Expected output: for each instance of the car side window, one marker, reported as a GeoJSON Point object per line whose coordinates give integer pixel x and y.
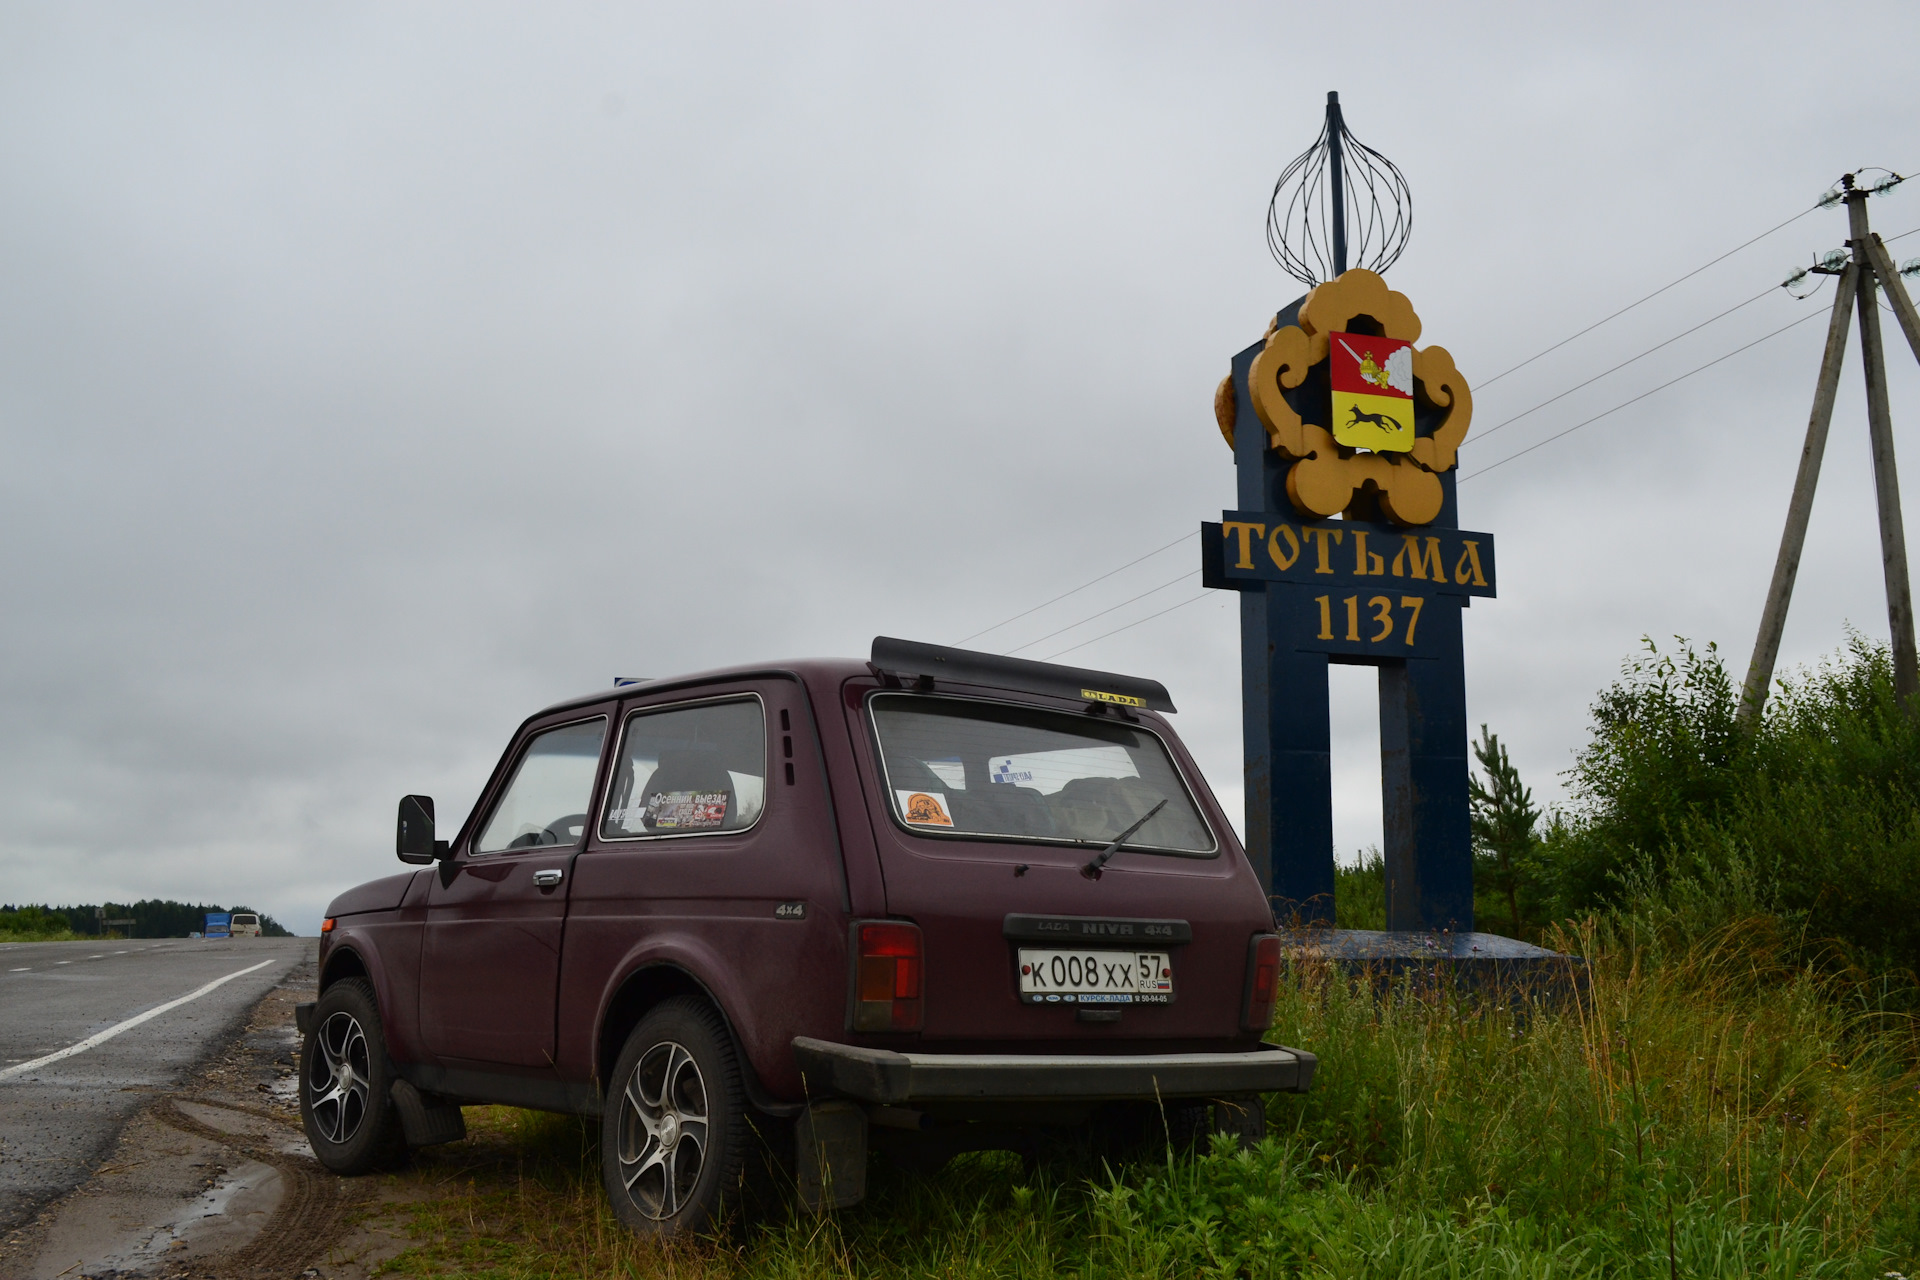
{"type": "Point", "coordinates": [546, 801]}
{"type": "Point", "coordinates": [689, 769]}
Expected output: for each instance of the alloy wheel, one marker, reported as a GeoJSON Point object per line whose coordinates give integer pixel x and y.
{"type": "Point", "coordinates": [663, 1130]}
{"type": "Point", "coordinates": [337, 1078]}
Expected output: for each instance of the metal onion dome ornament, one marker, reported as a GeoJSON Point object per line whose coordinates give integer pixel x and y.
{"type": "Point", "coordinates": [1340, 194]}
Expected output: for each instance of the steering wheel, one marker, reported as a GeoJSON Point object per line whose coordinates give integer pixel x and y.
{"type": "Point", "coordinates": [565, 830]}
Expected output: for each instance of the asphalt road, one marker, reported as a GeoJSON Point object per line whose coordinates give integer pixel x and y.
{"type": "Point", "coordinates": [57, 1119]}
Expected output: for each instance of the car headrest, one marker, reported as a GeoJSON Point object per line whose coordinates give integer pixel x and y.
{"type": "Point", "coordinates": [698, 772]}
{"type": "Point", "coordinates": [909, 774]}
{"type": "Point", "coordinates": [690, 771]}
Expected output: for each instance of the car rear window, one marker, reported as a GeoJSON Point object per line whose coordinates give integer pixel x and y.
{"type": "Point", "coordinates": [1001, 771]}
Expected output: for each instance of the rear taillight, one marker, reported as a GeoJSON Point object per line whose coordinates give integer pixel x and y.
{"type": "Point", "coordinates": [888, 962]}
{"type": "Point", "coordinates": [1263, 979]}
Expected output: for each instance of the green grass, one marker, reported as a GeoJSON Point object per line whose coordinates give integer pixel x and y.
{"type": "Point", "coordinates": [1712, 1110]}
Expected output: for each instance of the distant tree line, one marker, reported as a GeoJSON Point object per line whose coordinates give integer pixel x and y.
{"type": "Point", "coordinates": [152, 918]}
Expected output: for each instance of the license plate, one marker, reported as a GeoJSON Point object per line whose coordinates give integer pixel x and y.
{"type": "Point", "coordinates": [1095, 977]}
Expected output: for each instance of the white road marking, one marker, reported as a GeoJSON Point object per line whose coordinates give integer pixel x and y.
{"type": "Point", "coordinates": [63, 962]}
{"type": "Point", "coordinates": [101, 1037]}
{"type": "Point", "coordinates": [22, 969]}
{"type": "Point", "coordinates": [101, 956]}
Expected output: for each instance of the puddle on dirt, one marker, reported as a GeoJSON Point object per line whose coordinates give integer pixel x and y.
{"type": "Point", "coordinates": [235, 1207]}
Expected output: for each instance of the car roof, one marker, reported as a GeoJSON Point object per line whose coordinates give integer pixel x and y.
{"type": "Point", "coordinates": [921, 666]}
{"type": "Point", "coordinates": [831, 670]}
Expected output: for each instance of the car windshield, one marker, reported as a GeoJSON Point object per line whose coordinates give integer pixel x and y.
{"type": "Point", "coordinates": [998, 771]}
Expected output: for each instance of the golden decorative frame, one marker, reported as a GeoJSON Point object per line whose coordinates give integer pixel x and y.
{"type": "Point", "coordinates": [1327, 478]}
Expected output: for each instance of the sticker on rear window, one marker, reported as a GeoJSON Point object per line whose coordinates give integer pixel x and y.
{"type": "Point", "coordinates": [687, 810]}
{"type": "Point", "coordinates": [924, 808]}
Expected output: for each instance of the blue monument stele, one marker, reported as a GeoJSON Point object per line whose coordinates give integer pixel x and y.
{"type": "Point", "coordinates": [1345, 545]}
{"type": "Point", "coordinates": [1354, 585]}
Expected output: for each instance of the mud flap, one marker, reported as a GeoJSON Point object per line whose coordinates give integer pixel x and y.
{"type": "Point", "coordinates": [427, 1119]}
{"type": "Point", "coordinates": [831, 1145]}
{"type": "Point", "coordinates": [303, 1017]}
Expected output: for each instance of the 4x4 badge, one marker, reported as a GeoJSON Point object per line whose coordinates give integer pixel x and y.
{"type": "Point", "coordinates": [790, 911]}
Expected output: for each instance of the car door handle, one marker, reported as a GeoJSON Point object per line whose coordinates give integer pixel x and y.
{"type": "Point", "coordinates": [548, 878]}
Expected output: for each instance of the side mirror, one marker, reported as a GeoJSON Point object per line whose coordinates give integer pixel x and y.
{"type": "Point", "coordinates": [413, 837]}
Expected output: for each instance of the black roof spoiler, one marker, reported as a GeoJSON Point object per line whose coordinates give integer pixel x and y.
{"type": "Point", "coordinates": [911, 660]}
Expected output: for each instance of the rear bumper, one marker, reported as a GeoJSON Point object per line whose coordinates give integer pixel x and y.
{"type": "Point", "coordinates": [889, 1078]}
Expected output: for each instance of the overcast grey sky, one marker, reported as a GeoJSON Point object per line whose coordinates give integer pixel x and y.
{"type": "Point", "coordinates": [372, 375]}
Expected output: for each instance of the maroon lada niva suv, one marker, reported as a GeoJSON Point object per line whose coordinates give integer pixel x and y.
{"type": "Point", "coordinates": [932, 902]}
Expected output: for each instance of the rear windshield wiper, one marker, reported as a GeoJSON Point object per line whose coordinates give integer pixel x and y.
{"type": "Point", "coordinates": [1092, 870]}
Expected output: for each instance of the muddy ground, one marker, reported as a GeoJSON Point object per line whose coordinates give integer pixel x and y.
{"type": "Point", "coordinates": [214, 1180]}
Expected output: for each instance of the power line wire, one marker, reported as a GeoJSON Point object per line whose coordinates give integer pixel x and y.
{"type": "Point", "coordinates": [1463, 479]}
{"type": "Point", "coordinates": [1204, 595]}
{"type": "Point", "coordinates": [1569, 431]}
{"type": "Point", "coordinates": [1082, 587]}
{"type": "Point", "coordinates": [1090, 617]}
{"type": "Point", "coordinates": [1502, 462]}
{"type": "Point", "coordinates": [1650, 297]}
{"type": "Point", "coordinates": [1482, 435]}
{"type": "Point", "coordinates": [1811, 315]}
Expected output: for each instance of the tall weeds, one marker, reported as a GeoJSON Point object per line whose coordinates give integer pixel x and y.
{"type": "Point", "coordinates": [1714, 1076]}
{"type": "Point", "coordinates": [1714, 1107]}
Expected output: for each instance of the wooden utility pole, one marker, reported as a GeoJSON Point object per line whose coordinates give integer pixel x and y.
{"type": "Point", "coordinates": [1869, 271]}
{"type": "Point", "coordinates": [1896, 292]}
{"type": "Point", "coordinates": [1886, 477]}
{"type": "Point", "coordinates": [1773, 619]}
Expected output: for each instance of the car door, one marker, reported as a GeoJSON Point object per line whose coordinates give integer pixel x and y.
{"type": "Point", "coordinates": [714, 854]}
{"type": "Point", "coordinates": [490, 966]}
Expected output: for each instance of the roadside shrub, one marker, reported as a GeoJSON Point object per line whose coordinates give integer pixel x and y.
{"type": "Point", "coordinates": [1360, 893]}
{"type": "Point", "coordinates": [33, 924]}
{"type": "Point", "coordinates": [1814, 816]}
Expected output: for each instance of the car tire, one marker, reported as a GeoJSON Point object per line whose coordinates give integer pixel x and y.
{"type": "Point", "coordinates": [674, 1133]}
{"type": "Point", "coordinates": [346, 1083]}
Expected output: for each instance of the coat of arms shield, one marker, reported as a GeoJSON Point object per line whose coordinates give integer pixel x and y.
{"type": "Point", "coordinates": [1372, 381]}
